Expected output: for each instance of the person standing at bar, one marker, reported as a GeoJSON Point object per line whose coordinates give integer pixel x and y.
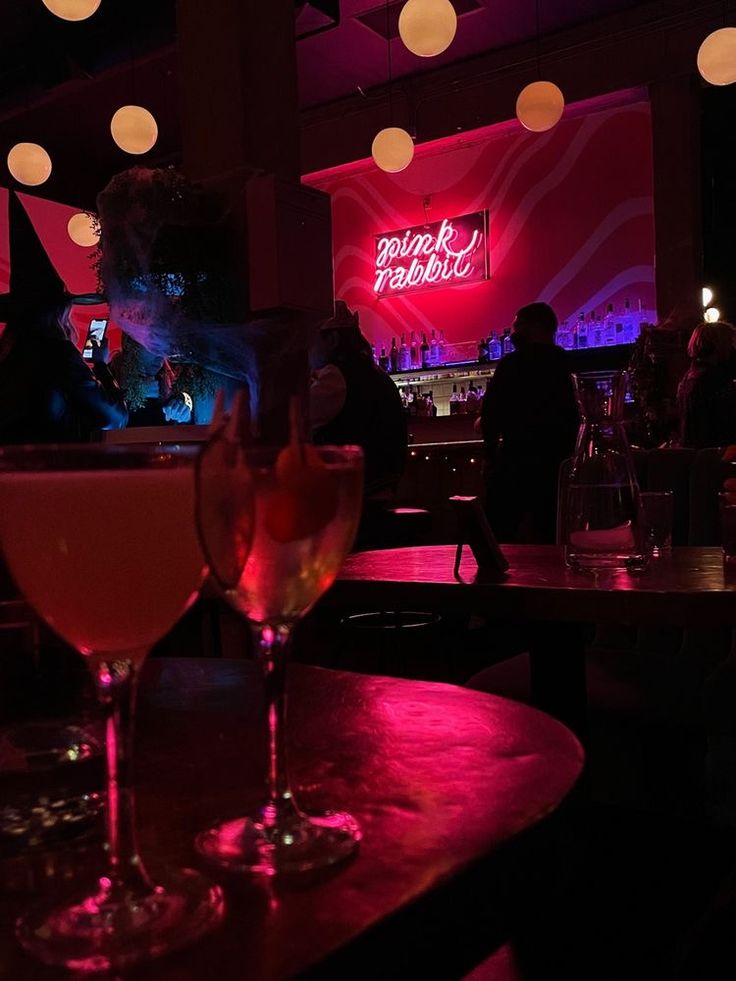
{"type": "Point", "coordinates": [353, 401]}
{"type": "Point", "coordinates": [706, 394]}
{"type": "Point", "coordinates": [529, 422]}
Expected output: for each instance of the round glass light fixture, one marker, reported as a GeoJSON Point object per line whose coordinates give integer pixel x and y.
{"type": "Point", "coordinates": [134, 129]}
{"type": "Point", "coordinates": [72, 9]}
{"type": "Point", "coordinates": [711, 315]}
{"type": "Point", "coordinates": [82, 230]}
{"type": "Point", "coordinates": [540, 106]}
{"type": "Point", "coordinates": [707, 296]}
{"type": "Point", "coordinates": [717, 57]}
{"type": "Point", "coordinates": [29, 164]}
{"type": "Point", "coordinates": [392, 149]}
{"type": "Point", "coordinates": [427, 27]}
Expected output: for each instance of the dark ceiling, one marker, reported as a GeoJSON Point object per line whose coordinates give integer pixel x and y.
{"type": "Point", "coordinates": [61, 81]}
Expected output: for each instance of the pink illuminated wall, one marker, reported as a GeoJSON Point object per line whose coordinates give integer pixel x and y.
{"type": "Point", "coordinates": [570, 221]}
{"type": "Point", "coordinates": [72, 262]}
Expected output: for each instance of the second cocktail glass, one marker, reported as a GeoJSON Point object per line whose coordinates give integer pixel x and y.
{"type": "Point", "coordinates": [299, 516]}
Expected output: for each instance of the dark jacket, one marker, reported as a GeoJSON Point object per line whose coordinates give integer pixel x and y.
{"type": "Point", "coordinates": [530, 405]}
{"type": "Point", "coordinates": [372, 418]}
{"type": "Point", "coordinates": [49, 394]}
{"type": "Point", "coordinates": [706, 399]}
{"type": "Point", "coordinates": [530, 422]}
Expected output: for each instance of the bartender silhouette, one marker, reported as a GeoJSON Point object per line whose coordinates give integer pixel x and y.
{"type": "Point", "coordinates": [48, 394]}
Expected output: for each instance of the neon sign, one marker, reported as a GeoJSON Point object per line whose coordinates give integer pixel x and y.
{"type": "Point", "coordinates": [450, 252]}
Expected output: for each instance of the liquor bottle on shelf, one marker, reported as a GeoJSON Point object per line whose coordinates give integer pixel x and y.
{"type": "Point", "coordinates": [483, 352]}
{"type": "Point", "coordinates": [442, 348]}
{"type": "Point", "coordinates": [623, 326]}
{"type": "Point", "coordinates": [454, 400]}
{"type": "Point", "coordinates": [429, 407]}
{"type": "Point", "coordinates": [434, 349]}
{"type": "Point", "coordinates": [373, 354]}
{"type": "Point", "coordinates": [471, 400]}
{"type": "Point", "coordinates": [627, 322]}
{"type": "Point", "coordinates": [494, 347]}
{"type": "Point", "coordinates": [609, 327]}
{"type": "Point", "coordinates": [462, 402]}
{"type": "Point", "coordinates": [393, 356]}
{"type": "Point", "coordinates": [565, 337]}
{"type": "Point", "coordinates": [404, 355]}
{"type": "Point", "coordinates": [595, 331]}
{"type": "Point", "coordinates": [424, 352]}
{"type": "Point", "coordinates": [582, 332]}
{"type": "Point", "coordinates": [414, 351]}
{"type": "Point", "coordinates": [383, 361]}
{"type": "Point", "coordinates": [506, 345]}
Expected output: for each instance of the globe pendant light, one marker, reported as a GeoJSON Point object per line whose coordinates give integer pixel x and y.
{"type": "Point", "coordinates": [392, 149]}
{"type": "Point", "coordinates": [134, 129]}
{"type": "Point", "coordinates": [29, 164]}
{"type": "Point", "coordinates": [540, 106]}
{"type": "Point", "coordinates": [82, 230]}
{"type": "Point", "coordinates": [72, 9]}
{"type": "Point", "coordinates": [427, 27]}
{"type": "Point", "coordinates": [717, 57]}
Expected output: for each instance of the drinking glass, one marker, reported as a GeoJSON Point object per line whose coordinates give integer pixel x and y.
{"type": "Point", "coordinates": [727, 522]}
{"type": "Point", "coordinates": [657, 510]}
{"type": "Point", "coordinates": [600, 496]}
{"type": "Point", "coordinates": [303, 506]}
{"type": "Point", "coordinates": [101, 541]}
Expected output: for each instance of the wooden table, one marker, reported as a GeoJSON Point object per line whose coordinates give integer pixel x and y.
{"type": "Point", "coordinates": [447, 784]}
{"type": "Point", "coordinates": [685, 587]}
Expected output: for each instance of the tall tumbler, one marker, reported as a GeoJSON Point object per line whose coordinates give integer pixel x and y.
{"type": "Point", "coordinates": [600, 508]}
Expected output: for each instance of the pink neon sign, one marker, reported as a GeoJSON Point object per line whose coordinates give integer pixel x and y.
{"type": "Point", "coordinates": [450, 252]}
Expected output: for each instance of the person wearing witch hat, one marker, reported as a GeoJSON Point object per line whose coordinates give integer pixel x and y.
{"type": "Point", "coordinates": [48, 394]}
{"type": "Point", "coordinates": [353, 401]}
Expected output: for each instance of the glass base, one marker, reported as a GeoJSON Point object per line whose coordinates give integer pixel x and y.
{"type": "Point", "coordinates": [111, 929]}
{"type": "Point", "coordinates": [605, 561]}
{"type": "Point", "coordinates": [299, 843]}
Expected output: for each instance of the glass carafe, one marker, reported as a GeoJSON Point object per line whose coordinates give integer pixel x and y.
{"type": "Point", "coordinates": [601, 526]}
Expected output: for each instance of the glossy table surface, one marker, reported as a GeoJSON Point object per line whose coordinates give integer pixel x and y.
{"type": "Point", "coordinates": [442, 779]}
{"type": "Point", "coordinates": [685, 586]}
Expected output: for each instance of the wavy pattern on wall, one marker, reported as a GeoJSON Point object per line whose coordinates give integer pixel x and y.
{"type": "Point", "coordinates": [570, 214]}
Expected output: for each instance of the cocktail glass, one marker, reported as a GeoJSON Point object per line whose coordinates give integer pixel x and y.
{"type": "Point", "coordinates": [101, 541]}
{"type": "Point", "coordinates": [303, 507]}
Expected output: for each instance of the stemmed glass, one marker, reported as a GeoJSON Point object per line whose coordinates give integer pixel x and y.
{"type": "Point", "coordinates": [101, 541]}
{"type": "Point", "coordinates": [303, 508]}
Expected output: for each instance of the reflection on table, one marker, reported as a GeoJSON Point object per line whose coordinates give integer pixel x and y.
{"type": "Point", "coordinates": [446, 784]}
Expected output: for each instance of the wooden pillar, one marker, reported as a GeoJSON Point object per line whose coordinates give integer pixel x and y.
{"type": "Point", "coordinates": [238, 78]}
{"type": "Point", "coordinates": [675, 106]}
{"type": "Point", "coordinates": [240, 126]}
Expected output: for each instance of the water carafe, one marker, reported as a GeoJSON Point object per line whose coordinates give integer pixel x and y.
{"type": "Point", "coordinates": [601, 526]}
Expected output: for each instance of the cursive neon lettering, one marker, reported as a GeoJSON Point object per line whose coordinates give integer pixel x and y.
{"type": "Point", "coordinates": [451, 251]}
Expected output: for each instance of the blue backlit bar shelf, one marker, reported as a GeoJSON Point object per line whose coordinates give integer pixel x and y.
{"type": "Point", "coordinates": [440, 379]}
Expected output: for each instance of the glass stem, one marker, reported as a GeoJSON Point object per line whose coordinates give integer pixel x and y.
{"type": "Point", "coordinates": [117, 684]}
{"type": "Point", "coordinates": [271, 647]}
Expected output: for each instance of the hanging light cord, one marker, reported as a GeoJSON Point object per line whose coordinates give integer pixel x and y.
{"type": "Point", "coordinates": [390, 78]}
{"type": "Point", "coordinates": [539, 40]}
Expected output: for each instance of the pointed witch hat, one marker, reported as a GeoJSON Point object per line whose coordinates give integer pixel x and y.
{"type": "Point", "coordinates": [35, 285]}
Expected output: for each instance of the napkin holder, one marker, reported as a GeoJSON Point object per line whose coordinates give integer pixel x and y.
{"type": "Point", "coordinates": [475, 532]}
